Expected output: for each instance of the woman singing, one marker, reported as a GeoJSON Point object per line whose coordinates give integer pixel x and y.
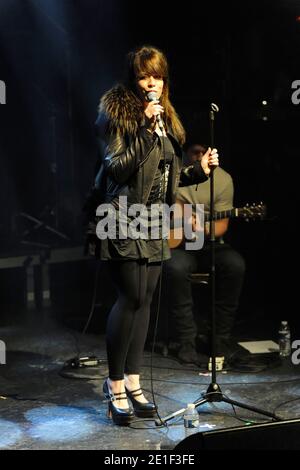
{"type": "Point", "coordinates": [141, 135]}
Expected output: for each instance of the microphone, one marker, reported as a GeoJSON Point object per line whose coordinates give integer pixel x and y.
{"type": "Point", "coordinates": [152, 96]}
{"type": "Point", "coordinates": [214, 107]}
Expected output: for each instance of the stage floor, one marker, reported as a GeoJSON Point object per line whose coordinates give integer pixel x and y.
{"type": "Point", "coordinates": [41, 409]}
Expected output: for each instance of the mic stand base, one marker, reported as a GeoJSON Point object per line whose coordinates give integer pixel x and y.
{"type": "Point", "coordinates": [212, 395]}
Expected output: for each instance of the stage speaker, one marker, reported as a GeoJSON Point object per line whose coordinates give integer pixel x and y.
{"type": "Point", "coordinates": [281, 435]}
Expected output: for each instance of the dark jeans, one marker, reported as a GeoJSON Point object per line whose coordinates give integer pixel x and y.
{"type": "Point", "coordinates": [230, 268]}
{"type": "Point", "coordinates": [128, 321]}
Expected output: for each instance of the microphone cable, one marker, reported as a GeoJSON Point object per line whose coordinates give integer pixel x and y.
{"type": "Point", "coordinates": [158, 310]}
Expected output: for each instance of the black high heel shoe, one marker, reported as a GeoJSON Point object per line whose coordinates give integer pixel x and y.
{"type": "Point", "coordinates": [120, 416]}
{"type": "Point", "coordinates": [142, 410]}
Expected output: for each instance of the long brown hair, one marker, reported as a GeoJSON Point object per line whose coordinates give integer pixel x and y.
{"type": "Point", "coordinates": [151, 61]}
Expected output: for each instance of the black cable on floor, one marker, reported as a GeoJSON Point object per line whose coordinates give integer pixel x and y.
{"type": "Point", "coordinates": [286, 403]}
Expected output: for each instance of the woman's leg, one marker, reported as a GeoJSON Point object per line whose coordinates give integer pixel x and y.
{"type": "Point", "coordinates": [129, 278]}
{"type": "Point", "coordinates": [139, 332]}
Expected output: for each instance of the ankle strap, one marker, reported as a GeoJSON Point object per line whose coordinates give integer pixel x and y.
{"type": "Point", "coordinates": [119, 393]}
{"type": "Point", "coordinates": [114, 396]}
{"type": "Point", "coordinates": [134, 392]}
{"type": "Point", "coordinates": [117, 396]}
{"type": "Point", "coordinates": [124, 397]}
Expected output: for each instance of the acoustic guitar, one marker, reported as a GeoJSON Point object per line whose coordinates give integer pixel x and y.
{"type": "Point", "coordinates": [248, 212]}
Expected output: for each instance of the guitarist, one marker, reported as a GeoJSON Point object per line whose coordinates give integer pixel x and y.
{"type": "Point", "coordinates": [230, 268]}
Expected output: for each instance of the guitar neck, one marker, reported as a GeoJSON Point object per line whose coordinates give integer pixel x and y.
{"type": "Point", "coordinates": [247, 212]}
{"type": "Point", "coordinates": [222, 214]}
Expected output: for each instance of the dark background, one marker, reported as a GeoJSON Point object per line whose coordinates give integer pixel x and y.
{"type": "Point", "coordinates": [57, 57]}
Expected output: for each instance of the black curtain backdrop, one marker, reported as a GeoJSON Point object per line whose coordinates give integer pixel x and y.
{"type": "Point", "coordinates": [57, 57]}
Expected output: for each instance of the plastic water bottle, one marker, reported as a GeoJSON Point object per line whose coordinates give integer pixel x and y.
{"type": "Point", "coordinates": [191, 417]}
{"type": "Point", "coordinates": [284, 339]}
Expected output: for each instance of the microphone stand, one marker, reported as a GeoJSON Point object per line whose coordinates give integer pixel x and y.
{"type": "Point", "coordinates": [214, 392]}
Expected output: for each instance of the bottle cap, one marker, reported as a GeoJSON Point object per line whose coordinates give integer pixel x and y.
{"type": "Point", "coordinates": [191, 405]}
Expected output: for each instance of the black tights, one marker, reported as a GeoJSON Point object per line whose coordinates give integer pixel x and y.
{"type": "Point", "coordinates": [128, 320]}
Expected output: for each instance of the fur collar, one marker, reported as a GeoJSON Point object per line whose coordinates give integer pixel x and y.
{"type": "Point", "coordinates": [121, 110]}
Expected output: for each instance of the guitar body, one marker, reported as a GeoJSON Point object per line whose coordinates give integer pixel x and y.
{"type": "Point", "coordinates": [177, 237]}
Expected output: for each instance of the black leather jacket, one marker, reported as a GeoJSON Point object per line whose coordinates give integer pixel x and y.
{"type": "Point", "coordinates": [130, 156]}
{"type": "Point", "coordinates": [130, 163]}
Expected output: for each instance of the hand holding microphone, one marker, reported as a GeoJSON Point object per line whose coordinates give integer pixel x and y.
{"type": "Point", "coordinates": [153, 110]}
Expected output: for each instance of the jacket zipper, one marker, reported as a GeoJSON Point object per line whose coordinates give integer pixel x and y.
{"type": "Point", "coordinates": [146, 158]}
